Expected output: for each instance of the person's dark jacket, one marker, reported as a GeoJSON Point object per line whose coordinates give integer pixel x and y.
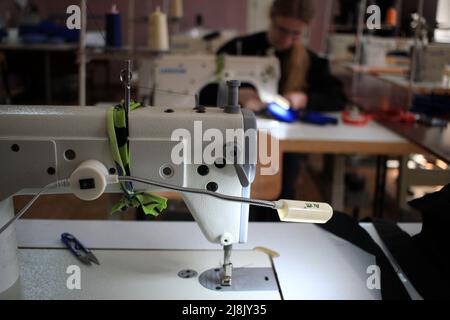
{"type": "Point", "coordinates": [325, 92]}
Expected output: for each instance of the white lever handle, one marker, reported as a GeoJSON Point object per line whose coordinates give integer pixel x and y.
{"type": "Point", "coordinates": [304, 212]}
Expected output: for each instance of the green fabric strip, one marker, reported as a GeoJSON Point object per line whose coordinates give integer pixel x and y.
{"type": "Point", "coordinates": [220, 67]}
{"type": "Point", "coordinates": [149, 203]}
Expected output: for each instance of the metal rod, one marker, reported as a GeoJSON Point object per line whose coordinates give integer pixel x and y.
{"type": "Point", "coordinates": [227, 254]}
{"type": "Point", "coordinates": [82, 57]}
{"type": "Point", "coordinates": [399, 9]}
{"type": "Point", "coordinates": [416, 55]}
{"type": "Point", "coordinates": [227, 274]}
{"type": "Point", "coordinates": [127, 84]}
{"type": "Point", "coordinates": [360, 32]}
{"type": "Point", "coordinates": [259, 203]}
{"type": "Point", "coordinates": [131, 9]}
{"type": "Point", "coordinates": [326, 25]}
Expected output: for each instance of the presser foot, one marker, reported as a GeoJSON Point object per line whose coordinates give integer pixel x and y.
{"type": "Point", "coordinates": [227, 274]}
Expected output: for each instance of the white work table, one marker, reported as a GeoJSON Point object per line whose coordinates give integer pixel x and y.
{"type": "Point", "coordinates": [312, 263]}
{"type": "Point", "coordinates": [342, 138]}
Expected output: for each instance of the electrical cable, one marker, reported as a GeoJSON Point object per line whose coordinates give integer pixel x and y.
{"type": "Point", "coordinates": [57, 184]}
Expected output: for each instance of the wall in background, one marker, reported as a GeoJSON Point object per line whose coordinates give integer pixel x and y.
{"type": "Point", "coordinates": [217, 14]}
{"type": "Point", "coordinates": [241, 15]}
{"type": "Point", "coordinates": [258, 15]}
{"type": "Point", "coordinates": [258, 19]}
{"type": "Point", "coordinates": [320, 25]}
{"type": "Point", "coordinates": [409, 6]}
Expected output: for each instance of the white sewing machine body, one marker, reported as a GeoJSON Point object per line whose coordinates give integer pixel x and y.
{"type": "Point", "coordinates": [34, 142]}
{"type": "Point", "coordinates": [178, 75]}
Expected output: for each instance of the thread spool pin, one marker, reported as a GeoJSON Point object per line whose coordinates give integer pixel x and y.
{"type": "Point", "coordinates": [125, 78]}
{"type": "Point", "coordinates": [233, 97]}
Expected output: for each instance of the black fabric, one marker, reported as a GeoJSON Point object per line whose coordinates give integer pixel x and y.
{"type": "Point", "coordinates": [291, 171]}
{"type": "Point", "coordinates": [425, 258]}
{"type": "Point", "coordinates": [421, 272]}
{"type": "Point", "coordinates": [325, 92]}
{"type": "Point", "coordinates": [347, 228]}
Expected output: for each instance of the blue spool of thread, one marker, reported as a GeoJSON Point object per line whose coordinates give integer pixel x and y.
{"type": "Point", "coordinates": [113, 29]}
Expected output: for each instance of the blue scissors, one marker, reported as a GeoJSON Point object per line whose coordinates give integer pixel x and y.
{"type": "Point", "coordinates": [76, 247]}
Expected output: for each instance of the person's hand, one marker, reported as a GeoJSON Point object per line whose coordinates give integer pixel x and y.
{"type": "Point", "coordinates": [256, 105]}
{"type": "Point", "coordinates": [297, 100]}
{"type": "Point", "coordinates": [249, 99]}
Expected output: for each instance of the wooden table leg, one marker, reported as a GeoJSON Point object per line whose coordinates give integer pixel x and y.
{"type": "Point", "coordinates": [380, 187]}
{"type": "Point", "coordinates": [338, 183]}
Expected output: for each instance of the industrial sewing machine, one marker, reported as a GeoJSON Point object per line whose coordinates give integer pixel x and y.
{"type": "Point", "coordinates": [431, 62]}
{"type": "Point", "coordinates": [375, 50]}
{"type": "Point", "coordinates": [176, 78]}
{"type": "Point", "coordinates": [69, 148]}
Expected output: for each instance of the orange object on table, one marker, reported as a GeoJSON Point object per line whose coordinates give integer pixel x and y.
{"type": "Point", "coordinates": [391, 17]}
{"type": "Point", "coordinates": [395, 115]}
{"type": "Point", "coordinates": [360, 120]}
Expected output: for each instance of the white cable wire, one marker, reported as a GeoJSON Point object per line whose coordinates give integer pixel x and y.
{"type": "Point", "coordinates": [57, 184]}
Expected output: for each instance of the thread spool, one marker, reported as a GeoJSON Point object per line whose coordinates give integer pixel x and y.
{"type": "Point", "coordinates": [199, 20]}
{"type": "Point", "coordinates": [391, 17]}
{"type": "Point", "coordinates": [176, 9]}
{"type": "Point", "coordinates": [113, 28]}
{"type": "Point", "coordinates": [158, 31]}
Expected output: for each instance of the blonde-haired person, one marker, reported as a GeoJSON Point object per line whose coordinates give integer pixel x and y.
{"type": "Point", "coordinates": [306, 80]}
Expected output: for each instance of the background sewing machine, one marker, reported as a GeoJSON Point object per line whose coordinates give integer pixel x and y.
{"type": "Point", "coordinates": [177, 78]}
{"type": "Point", "coordinates": [339, 47]}
{"type": "Point", "coordinates": [376, 49]}
{"type": "Point", "coordinates": [432, 60]}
